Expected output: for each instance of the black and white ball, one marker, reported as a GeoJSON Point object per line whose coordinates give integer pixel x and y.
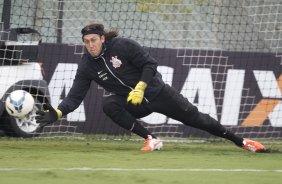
{"type": "Point", "coordinates": [19, 103]}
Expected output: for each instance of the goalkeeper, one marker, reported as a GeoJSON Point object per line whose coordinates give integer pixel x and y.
{"type": "Point", "coordinates": [122, 67]}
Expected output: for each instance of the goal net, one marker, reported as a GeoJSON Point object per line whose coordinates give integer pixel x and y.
{"type": "Point", "coordinates": [225, 56]}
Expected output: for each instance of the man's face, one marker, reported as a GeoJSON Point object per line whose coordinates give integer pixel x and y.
{"type": "Point", "coordinates": [94, 44]}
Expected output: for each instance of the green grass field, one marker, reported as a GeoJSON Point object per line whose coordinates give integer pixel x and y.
{"type": "Point", "coordinates": [120, 162]}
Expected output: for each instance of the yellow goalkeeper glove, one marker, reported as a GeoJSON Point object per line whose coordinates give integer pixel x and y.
{"type": "Point", "coordinates": [137, 94]}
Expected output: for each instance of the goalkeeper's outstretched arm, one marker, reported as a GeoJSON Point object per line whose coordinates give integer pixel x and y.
{"type": "Point", "coordinates": [74, 98]}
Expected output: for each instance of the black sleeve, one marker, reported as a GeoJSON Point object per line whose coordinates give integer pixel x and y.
{"type": "Point", "coordinates": [147, 75]}
{"type": "Point", "coordinates": [76, 94]}
{"type": "Point", "coordinates": [141, 58]}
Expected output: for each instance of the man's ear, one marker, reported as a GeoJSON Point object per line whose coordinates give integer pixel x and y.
{"type": "Point", "coordinates": [103, 39]}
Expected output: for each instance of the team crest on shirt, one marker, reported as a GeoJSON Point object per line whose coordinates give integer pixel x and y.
{"type": "Point", "coordinates": [116, 62]}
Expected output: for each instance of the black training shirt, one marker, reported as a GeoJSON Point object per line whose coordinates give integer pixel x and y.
{"type": "Point", "coordinates": [118, 69]}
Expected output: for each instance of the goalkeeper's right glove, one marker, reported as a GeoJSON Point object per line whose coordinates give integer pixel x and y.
{"type": "Point", "coordinates": [48, 116]}
{"type": "Point", "coordinates": [137, 94]}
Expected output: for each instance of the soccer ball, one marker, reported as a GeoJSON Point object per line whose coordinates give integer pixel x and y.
{"type": "Point", "coordinates": [19, 103]}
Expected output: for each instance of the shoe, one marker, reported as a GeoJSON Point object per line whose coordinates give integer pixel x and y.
{"type": "Point", "coordinates": [253, 146]}
{"type": "Point", "coordinates": [152, 144]}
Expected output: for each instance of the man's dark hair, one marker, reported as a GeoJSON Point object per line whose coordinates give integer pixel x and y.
{"type": "Point", "coordinates": [100, 30]}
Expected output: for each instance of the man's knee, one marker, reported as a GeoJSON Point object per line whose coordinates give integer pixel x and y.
{"type": "Point", "coordinates": [197, 119]}
{"type": "Point", "coordinates": [111, 104]}
{"type": "Point", "coordinates": [193, 114]}
{"type": "Point", "coordinates": [114, 107]}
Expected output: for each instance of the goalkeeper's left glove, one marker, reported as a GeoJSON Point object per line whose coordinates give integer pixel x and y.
{"type": "Point", "coordinates": [137, 94]}
{"type": "Point", "coordinates": [48, 116]}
